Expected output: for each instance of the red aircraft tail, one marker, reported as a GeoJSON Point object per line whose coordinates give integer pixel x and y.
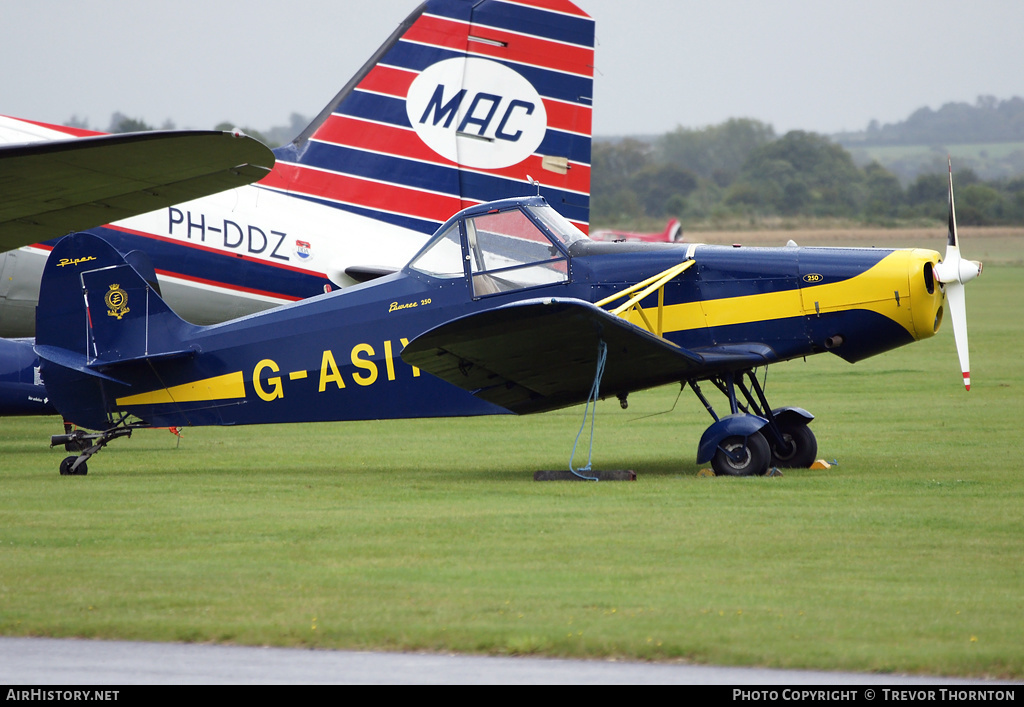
{"type": "Point", "coordinates": [674, 231]}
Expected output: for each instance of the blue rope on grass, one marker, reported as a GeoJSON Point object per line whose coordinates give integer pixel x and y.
{"type": "Point", "coordinates": [595, 389]}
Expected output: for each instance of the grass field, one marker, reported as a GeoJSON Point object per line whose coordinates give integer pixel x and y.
{"type": "Point", "coordinates": [908, 556]}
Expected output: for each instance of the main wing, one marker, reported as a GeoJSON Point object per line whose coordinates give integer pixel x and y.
{"type": "Point", "coordinates": [540, 355]}
{"type": "Point", "coordinates": [48, 189]}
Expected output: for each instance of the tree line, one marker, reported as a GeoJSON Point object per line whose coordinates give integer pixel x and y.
{"type": "Point", "coordinates": [987, 120]}
{"type": "Point", "coordinates": [274, 137]}
{"type": "Point", "coordinates": [742, 170]}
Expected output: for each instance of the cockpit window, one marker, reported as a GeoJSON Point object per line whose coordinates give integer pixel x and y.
{"type": "Point", "coordinates": [507, 251]}
{"type": "Point", "coordinates": [561, 227]}
{"type": "Point", "coordinates": [443, 257]}
{"type": "Point", "coordinates": [506, 239]}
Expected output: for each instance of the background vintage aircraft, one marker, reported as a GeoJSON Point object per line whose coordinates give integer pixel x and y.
{"type": "Point", "coordinates": [463, 104]}
{"type": "Point", "coordinates": [673, 233]}
{"type": "Point", "coordinates": [508, 308]}
{"type": "Point", "coordinates": [56, 186]}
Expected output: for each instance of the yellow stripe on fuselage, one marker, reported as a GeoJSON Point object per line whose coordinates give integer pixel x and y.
{"type": "Point", "coordinates": [873, 290]}
{"type": "Point", "coordinates": [223, 387]}
{"type": "Point", "coordinates": [724, 312]}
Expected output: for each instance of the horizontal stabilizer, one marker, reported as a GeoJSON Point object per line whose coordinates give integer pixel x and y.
{"type": "Point", "coordinates": [97, 366]}
{"type": "Point", "coordinates": [541, 355]}
{"type": "Point", "coordinates": [75, 362]}
{"type": "Point", "coordinates": [53, 188]}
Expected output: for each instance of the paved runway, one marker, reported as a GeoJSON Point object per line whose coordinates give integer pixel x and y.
{"type": "Point", "coordinates": [47, 661]}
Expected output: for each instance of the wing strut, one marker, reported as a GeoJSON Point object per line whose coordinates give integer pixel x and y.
{"type": "Point", "coordinates": [643, 289]}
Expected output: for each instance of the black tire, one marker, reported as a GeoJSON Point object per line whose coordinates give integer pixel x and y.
{"type": "Point", "coordinates": [802, 451]}
{"type": "Point", "coordinates": [65, 467]}
{"type": "Point", "coordinates": [752, 452]}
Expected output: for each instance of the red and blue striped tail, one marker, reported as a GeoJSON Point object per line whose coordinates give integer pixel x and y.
{"type": "Point", "coordinates": [465, 103]}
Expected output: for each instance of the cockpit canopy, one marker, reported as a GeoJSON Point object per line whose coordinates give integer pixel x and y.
{"type": "Point", "coordinates": [502, 246]}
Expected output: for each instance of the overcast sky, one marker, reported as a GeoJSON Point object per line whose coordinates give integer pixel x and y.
{"type": "Point", "coordinates": [819, 65]}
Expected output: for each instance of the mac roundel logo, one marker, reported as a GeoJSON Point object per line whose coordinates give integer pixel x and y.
{"type": "Point", "coordinates": [477, 113]}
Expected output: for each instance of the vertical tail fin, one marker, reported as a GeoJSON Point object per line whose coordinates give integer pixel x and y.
{"type": "Point", "coordinates": [464, 102]}
{"type": "Point", "coordinates": [94, 303]}
{"type": "Point", "coordinates": [97, 319]}
{"type": "Point", "coordinates": [674, 231]}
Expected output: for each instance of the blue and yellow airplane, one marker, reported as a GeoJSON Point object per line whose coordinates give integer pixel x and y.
{"type": "Point", "coordinates": [509, 308]}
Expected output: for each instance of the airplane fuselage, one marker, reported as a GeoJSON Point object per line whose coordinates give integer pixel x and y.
{"type": "Point", "coordinates": [342, 360]}
{"type": "Point", "coordinates": [337, 356]}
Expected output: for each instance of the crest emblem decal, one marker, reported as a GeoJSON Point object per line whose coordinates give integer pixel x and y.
{"type": "Point", "coordinates": [117, 302]}
{"type": "Point", "coordinates": [303, 250]}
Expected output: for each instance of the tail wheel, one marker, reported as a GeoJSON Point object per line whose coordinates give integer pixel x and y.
{"type": "Point", "coordinates": [800, 450]}
{"type": "Point", "coordinates": [742, 456]}
{"type": "Point", "coordinates": [66, 470]}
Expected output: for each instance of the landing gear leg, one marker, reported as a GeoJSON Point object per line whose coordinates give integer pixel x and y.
{"type": "Point", "coordinates": [75, 440]}
{"type": "Point", "coordinates": [754, 436]}
{"type": "Point", "coordinates": [88, 443]}
{"type": "Point", "coordinates": [792, 442]}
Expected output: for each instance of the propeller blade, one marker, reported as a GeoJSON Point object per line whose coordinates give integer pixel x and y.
{"type": "Point", "coordinates": [951, 240]}
{"type": "Point", "coordinates": [958, 313]}
{"type": "Point", "coordinates": [953, 272]}
{"type": "Point", "coordinates": [953, 268]}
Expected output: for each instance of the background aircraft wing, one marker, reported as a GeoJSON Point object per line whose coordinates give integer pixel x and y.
{"type": "Point", "coordinates": [48, 189]}
{"type": "Point", "coordinates": [540, 355]}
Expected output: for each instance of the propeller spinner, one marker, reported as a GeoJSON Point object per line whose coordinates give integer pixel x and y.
{"type": "Point", "coordinates": [953, 272]}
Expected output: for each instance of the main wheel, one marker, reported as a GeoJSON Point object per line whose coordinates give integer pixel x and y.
{"type": "Point", "coordinates": [739, 456]}
{"type": "Point", "coordinates": [800, 450]}
{"type": "Point", "coordinates": [65, 467]}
